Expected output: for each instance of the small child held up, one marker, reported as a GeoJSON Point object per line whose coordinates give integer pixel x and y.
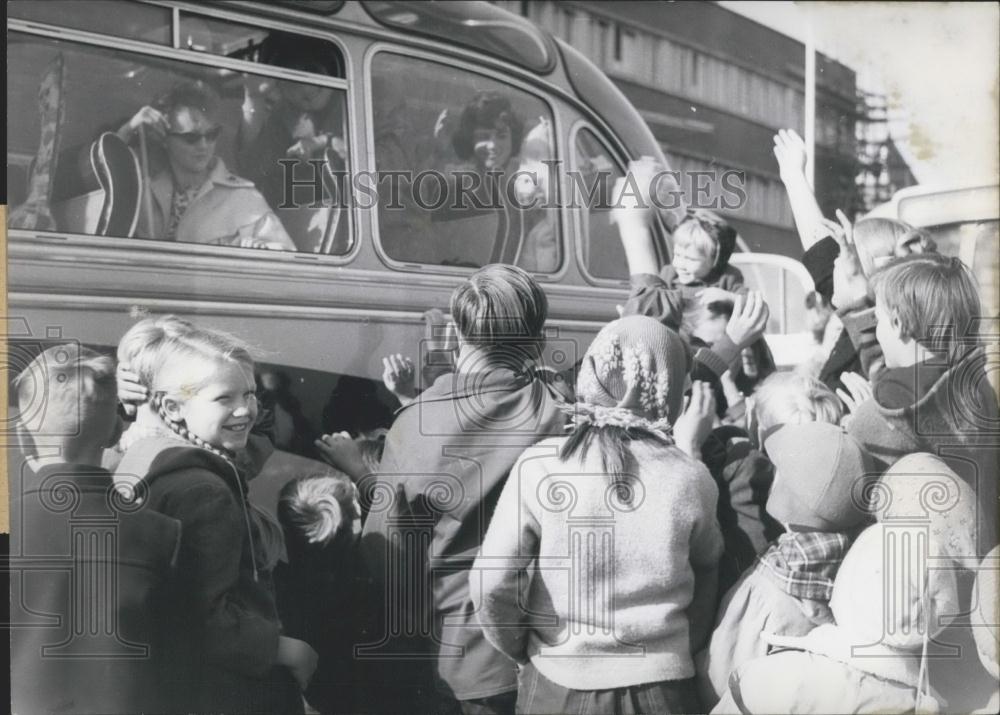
{"type": "Point", "coordinates": [317, 588]}
{"type": "Point", "coordinates": [701, 272]}
{"type": "Point", "coordinates": [817, 472]}
{"type": "Point", "coordinates": [64, 509]}
{"type": "Point", "coordinates": [703, 243]}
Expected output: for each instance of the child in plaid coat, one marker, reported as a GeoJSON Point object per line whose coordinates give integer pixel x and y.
{"type": "Point", "coordinates": [818, 469]}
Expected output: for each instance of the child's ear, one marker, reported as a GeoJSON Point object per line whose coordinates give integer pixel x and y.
{"type": "Point", "coordinates": [172, 408]}
{"type": "Point", "coordinates": [897, 326]}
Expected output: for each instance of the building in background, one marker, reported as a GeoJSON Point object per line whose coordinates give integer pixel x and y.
{"type": "Point", "coordinates": [714, 88]}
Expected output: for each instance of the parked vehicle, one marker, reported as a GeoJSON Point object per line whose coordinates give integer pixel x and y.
{"type": "Point", "coordinates": [389, 82]}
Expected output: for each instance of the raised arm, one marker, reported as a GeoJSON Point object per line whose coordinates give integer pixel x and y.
{"type": "Point", "coordinates": [631, 211]}
{"type": "Point", "coordinates": [790, 151]}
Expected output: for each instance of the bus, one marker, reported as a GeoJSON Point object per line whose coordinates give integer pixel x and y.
{"type": "Point", "coordinates": [363, 273]}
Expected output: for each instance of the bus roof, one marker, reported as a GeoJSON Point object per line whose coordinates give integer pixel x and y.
{"type": "Point", "coordinates": [478, 25]}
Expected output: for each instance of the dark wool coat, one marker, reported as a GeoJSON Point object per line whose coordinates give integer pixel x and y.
{"type": "Point", "coordinates": [87, 587]}
{"type": "Point", "coordinates": [222, 615]}
{"type": "Point", "coordinates": [446, 460]}
{"type": "Point", "coordinates": [955, 419]}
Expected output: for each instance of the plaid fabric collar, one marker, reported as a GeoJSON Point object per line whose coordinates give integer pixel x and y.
{"type": "Point", "coordinates": [804, 564]}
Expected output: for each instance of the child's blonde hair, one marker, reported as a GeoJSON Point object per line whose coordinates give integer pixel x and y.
{"type": "Point", "coordinates": [68, 393]}
{"type": "Point", "coordinates": [934, 297]}
{"type": "Point", "coordinates": [691, 233]}
{"type": "Point", "coordinates": [793, 398]}
{"type": "Point", "coordinates": [174, 372]}
{"type": "Point", "coordinates": [880, 239]}
{"type": "Point", "coordinates": [140, 346]}
{"type": "Point", "coordinates": [315, 508]}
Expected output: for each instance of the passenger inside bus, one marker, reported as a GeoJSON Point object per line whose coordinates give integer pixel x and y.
{"type": "Point", "coordinates": [491, 213]}
{"type": "Point", "coordinates": [283, 120]}
{"type": "Point", "coordinates": [193, 197]}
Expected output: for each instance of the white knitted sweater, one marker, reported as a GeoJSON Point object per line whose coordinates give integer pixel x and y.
{"type": "Point", "coordinates": [594, 590]}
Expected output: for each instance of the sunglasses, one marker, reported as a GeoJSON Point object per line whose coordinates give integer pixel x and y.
{"type": "Point", "coordinates": [193, 138]}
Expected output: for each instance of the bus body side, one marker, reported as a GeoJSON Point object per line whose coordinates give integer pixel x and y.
{"type": "Point", "coordinates": [356, 292]}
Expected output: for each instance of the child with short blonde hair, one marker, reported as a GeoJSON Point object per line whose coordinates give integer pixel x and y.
{"type": "Point", "coordinates": [744, 473]}
{"type": "Point", "coordinates": [792, 398]}
{"type": "Point", "coordinates": [64, 510]}
{"type": "Point", "coordinates": [318, 588]}
{"type": "Point", "coordinates": [703, 243]}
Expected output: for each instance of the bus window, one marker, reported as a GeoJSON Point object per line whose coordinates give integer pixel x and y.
{"type": "Point", "coordinates": [594, 176]}
{"type": "Point", "coordinates": [201, 33]}
{"type": "Point", "coordinates": [133, 21]}
{"type": "Point", "coordinates": [117, 143]}
{"type": "Point", "coordinates": [463, 178]}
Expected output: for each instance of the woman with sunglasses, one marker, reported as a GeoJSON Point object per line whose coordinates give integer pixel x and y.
{"type": "Point", "coordinates": [195, 198]}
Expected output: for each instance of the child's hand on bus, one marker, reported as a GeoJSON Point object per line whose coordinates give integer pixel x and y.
{"type": "Point", "coordinates": [130, 390]}
{"type": "Point", "coordinates": [399, 376]}
{"type": "Point", "coordinates": [695, 424]}
{"type": "Point", "coordinates": [749, 320]}
{"type": "Point", "coordinates": [299, 657]}
{"type": "Point", "coordinates": [150, 120]}
{"type": "Point", "coordinates": [790, 151]}
{"type": "Point", "coordinates": [342, 452]}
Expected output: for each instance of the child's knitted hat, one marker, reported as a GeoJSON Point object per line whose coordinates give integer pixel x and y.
{"type": "Point", "coordinates": [888, 604]}
{"type": "Point", "coordinates": [633, 375]}
{"type": "Point", "coordinates": [886, 592]}
{"type": "Point", "coordinates": [818, 471]}
{"type": "Point", "coordinates": [986, 614]}
{"type": "Point", "coordinates": [922, 488]}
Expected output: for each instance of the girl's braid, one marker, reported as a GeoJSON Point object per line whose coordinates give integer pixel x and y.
{"type": "Point", "coordinates": [178, 427]}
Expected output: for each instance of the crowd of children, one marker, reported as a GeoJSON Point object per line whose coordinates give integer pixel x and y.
{"type": "Point", "coordinates": [678, 528]}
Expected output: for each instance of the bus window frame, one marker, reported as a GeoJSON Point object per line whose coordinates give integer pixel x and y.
{"type": "Point", "coordinates": [575, 130]}
{"type": "Point", "coordinates": [392, 48]}
{"type": "Point", "coordinates": [206, 59]}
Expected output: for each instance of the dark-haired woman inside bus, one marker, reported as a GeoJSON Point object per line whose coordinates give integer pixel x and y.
{"type": "Point", "coordinates": [193, 197]}
{"type": "Point", "coordinates": [491, 138]}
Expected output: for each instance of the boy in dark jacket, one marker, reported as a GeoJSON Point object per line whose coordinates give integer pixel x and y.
{"type": "Point", "coordinates": [445, 463]}
{"type": "Point", "coordinates": [73, 649]}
